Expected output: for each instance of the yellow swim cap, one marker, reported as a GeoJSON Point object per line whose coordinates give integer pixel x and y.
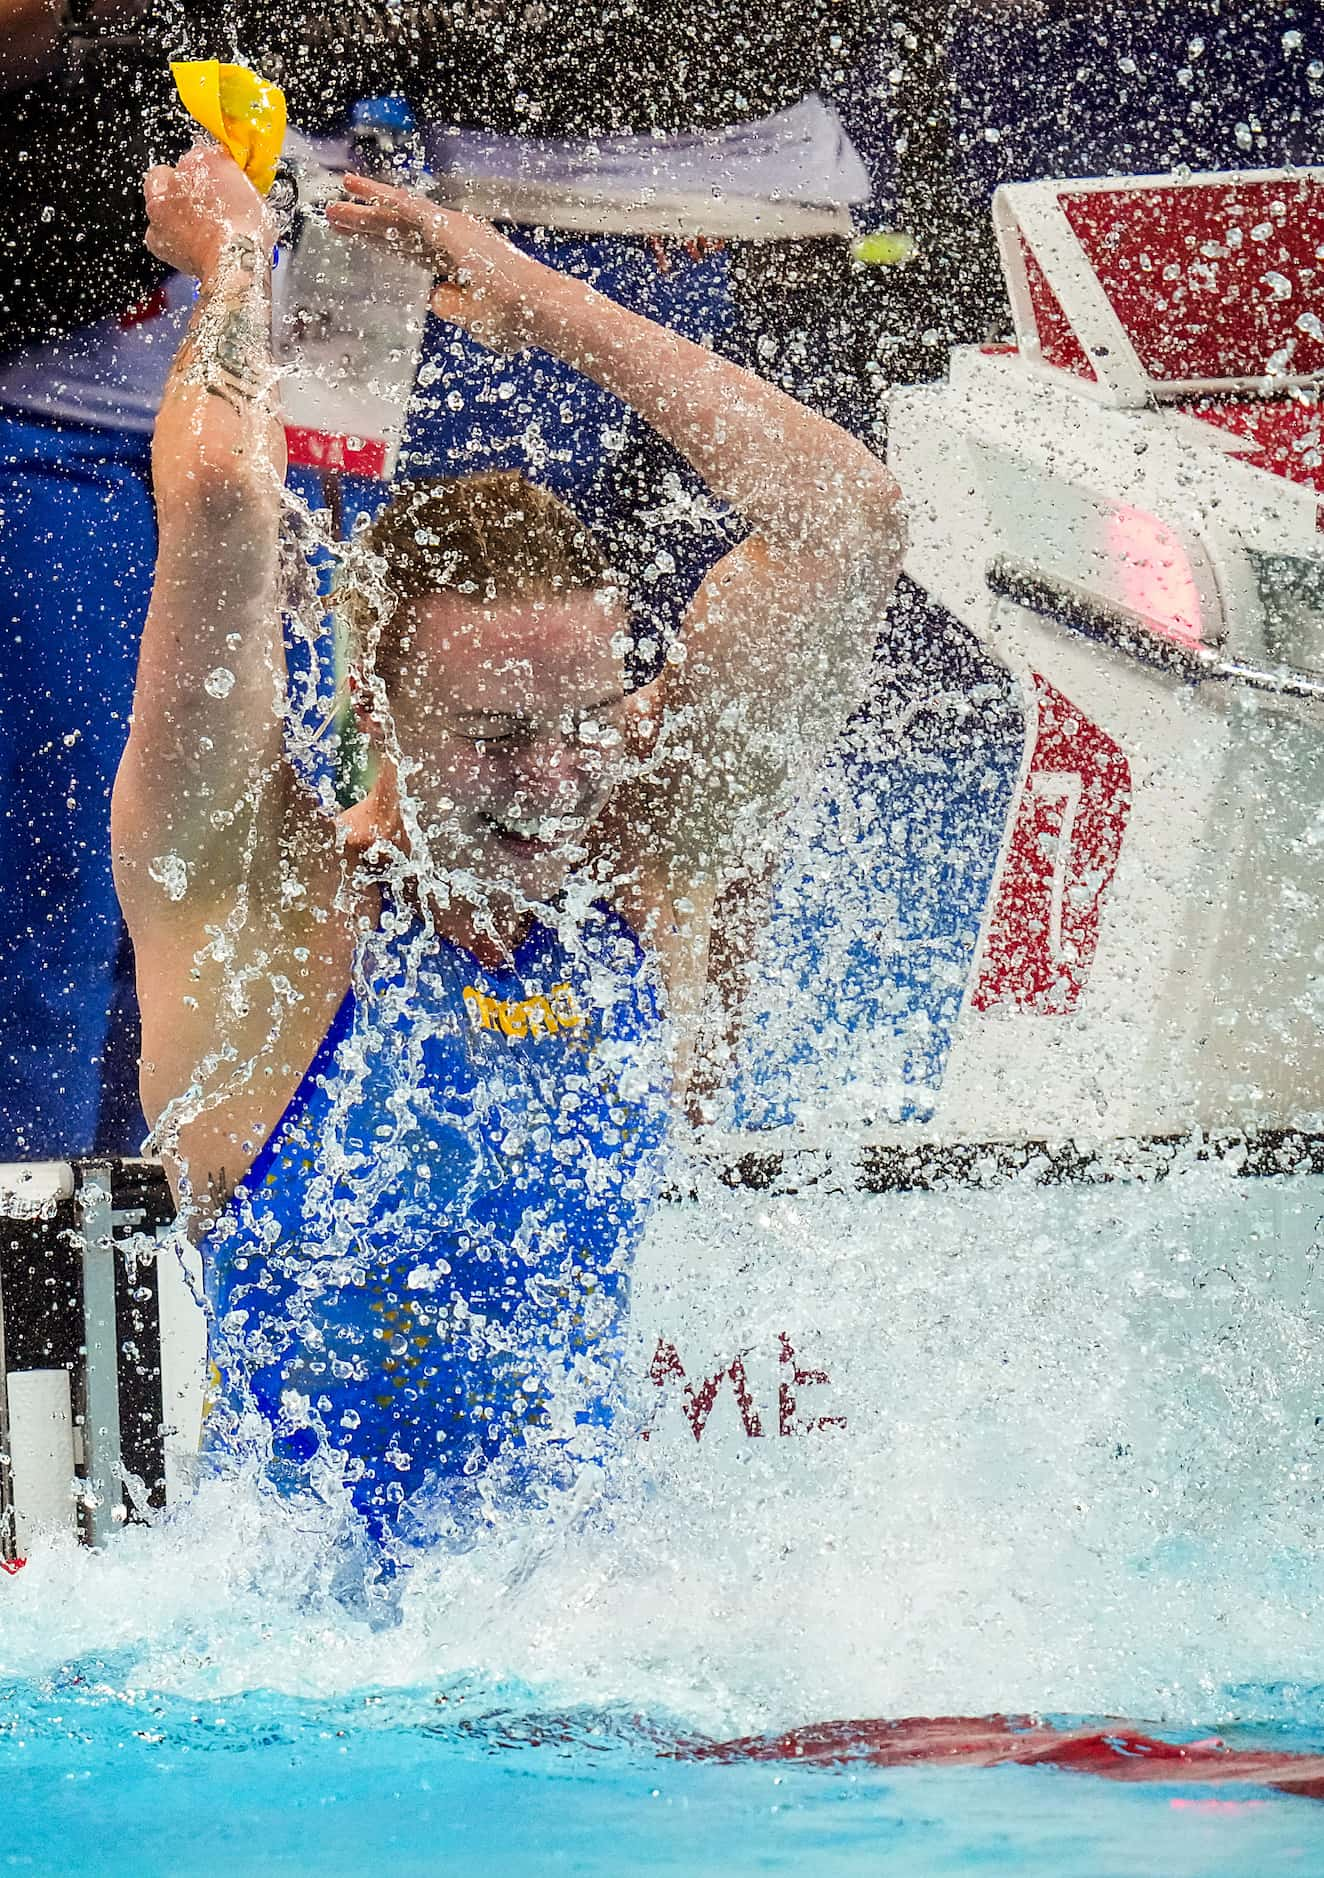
{"type": "Point", "coordinates": [242, 111]}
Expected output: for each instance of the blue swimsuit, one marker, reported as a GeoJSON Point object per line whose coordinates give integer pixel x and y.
{"type": "Point", "coordinates": [426, 1269]}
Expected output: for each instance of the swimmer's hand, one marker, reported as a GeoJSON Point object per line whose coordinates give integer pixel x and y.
{"type": "Point", "coordinates": [197, 206]}
{"type": "Point", "coordinates": [482, 283]}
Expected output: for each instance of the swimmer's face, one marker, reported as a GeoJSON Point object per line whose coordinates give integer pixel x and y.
{"type": "Point", "coordinates": [517, 716]}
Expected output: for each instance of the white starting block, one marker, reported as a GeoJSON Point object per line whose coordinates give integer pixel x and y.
{"type": "Point", "coordinates": [1127, 508]}
{"type": "Point", "coordinates": [1121, 1177]}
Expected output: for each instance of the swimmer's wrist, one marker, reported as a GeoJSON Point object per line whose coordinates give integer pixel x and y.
{"type": "Point", "coordinates": [227, 350]}
{"type": "Point", "coordinates": [239, 257]}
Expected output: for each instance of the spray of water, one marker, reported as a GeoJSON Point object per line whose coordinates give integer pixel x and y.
{"type": "Point", "coordinates": [1075, 1477]}
{"type": "Point", "coordinates": [1067, 1467]}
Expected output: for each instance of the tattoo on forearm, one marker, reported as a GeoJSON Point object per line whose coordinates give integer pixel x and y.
{"type": "Point", "coordinates": [228, 352]}
{"type": "Point", "coordinates": [226, 359]}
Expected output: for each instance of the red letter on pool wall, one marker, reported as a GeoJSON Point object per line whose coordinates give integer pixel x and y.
{"type": "Point", "coordinates": [666, 1367]}
{"type": "Point", "coordinates": [1063, 853]}
{"type": "Point", "coordinates": [802, 1379]}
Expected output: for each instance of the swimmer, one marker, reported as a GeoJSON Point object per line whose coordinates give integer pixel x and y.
{"type": "Point", "coordinates": [411, 1066]}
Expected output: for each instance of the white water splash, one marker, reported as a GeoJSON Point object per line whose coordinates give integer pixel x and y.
{"type": "Point", "coordinates": [1068, 1514]}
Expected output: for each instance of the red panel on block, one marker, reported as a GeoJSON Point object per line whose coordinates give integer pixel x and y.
{"type": "Point", "coordinates": [1058, 344]}
{"type": "Point", "coordinates": [1067, 836]}
{"type": "Point", "coordinates": [1211, 282]}
{"type": "Point", "coordinates": [1286, 435]}
{"type": "Point", "coordinates": [320, 449]}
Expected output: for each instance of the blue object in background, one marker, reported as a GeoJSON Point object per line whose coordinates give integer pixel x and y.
{"type": "Point", "coordinates": [473, 411]}
{"type": "Point", "coordinates": [77, 550]}
{"type": "Point", "coordinates": [77, 545]}
{"type": "Point", "coordinates": [1072, 90]}
{"type": "Point", "coordinates": [877, 907]}
{"type": "Point", "coordinates": [1136, 90]}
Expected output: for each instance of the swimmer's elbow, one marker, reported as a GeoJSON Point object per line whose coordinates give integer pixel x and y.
{"type": "Point", "coordinates": [859, 542]}
{"type": "Point", "coordinates": [850, 576]}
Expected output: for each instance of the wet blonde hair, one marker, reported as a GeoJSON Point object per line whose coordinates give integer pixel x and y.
{"type": "Point", "coordinates": [496, 536]}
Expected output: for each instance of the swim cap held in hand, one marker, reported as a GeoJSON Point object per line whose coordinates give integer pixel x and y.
{"type": "Point", "coordinates": [243, 112]}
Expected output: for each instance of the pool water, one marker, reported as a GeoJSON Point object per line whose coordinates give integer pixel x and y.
{"type": "Point", "coordinates": [219, 1694]}
{"type": "Point", "coordinates": [1074, 1476]}
{"type": "Point", "coordinates": [100, 1778]}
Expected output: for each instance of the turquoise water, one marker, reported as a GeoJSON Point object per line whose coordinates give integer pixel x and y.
{"type": "Point", "coordinates": [216, 1695]}
{"type": "Point", "coordinates": [98, 1779]}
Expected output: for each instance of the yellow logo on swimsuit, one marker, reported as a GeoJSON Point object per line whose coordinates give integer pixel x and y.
{"type": "Point", "coordinates": [535, 1017]}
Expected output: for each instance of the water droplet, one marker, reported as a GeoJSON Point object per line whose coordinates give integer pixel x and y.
{"type": "Point", "coordinates": [220, 683]}
{"type": "Point", "coordinates": [170, 873]}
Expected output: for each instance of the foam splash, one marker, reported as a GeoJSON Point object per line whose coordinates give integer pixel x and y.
{"type": "Point", "coordinates": [1063, 1525]}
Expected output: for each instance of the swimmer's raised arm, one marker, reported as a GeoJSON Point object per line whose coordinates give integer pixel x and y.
{"type": "Point", "coordinates": [779, 638]}
{"type": "Point", "coordinates": [206, 728]}
{"type": "Point", "coordinates": [225, 867]}
{"type": "Point", "coordinates": [794, 476]}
